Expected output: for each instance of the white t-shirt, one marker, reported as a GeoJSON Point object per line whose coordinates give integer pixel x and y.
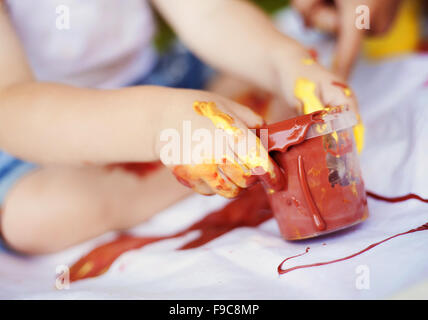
{"type": "Point", "coordinates": [91, 43]}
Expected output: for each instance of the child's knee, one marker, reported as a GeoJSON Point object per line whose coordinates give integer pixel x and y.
{"type": "Point", "coordinates": [19, 235]}
{"type": "Point", "coordinates": [21, 228]}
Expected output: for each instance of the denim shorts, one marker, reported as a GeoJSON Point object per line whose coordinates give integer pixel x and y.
{"type": "Point", "coordinates": [11, 170]}
{"type": "Point", "coordinates": [178, 68]}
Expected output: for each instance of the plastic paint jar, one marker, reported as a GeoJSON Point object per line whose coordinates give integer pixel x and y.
{"type": "Point", "coordinates": [324, 190]}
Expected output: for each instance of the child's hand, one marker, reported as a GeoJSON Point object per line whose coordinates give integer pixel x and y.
{"type": "Point", "coordinates": [340, 18]}
{"type": "Point", "coordinates": [206, 163]}
{"type": "Point", "coordinates": [307, 85]}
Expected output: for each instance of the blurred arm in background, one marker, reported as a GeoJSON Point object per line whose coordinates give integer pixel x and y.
{"type": "Point", "coordinates": [237, 37]}
{"type": "Point", "coordinates": [231, 35]}
{"type": "Point", "coordinates": [339, 17]}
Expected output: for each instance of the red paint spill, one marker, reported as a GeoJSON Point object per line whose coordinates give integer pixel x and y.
{"type": "Point", "coordinates": [140, 169]}
{"type": "Point", "coordinates": [377, 197]}
{"type": "Point", "coordinates": [340, 84]}
{"type": "Point", "coordinates": [249, 210]}
{"type": "Point", "coordinates": [396, 199]}
{"type": "Point", "coordinates": [283, 271]}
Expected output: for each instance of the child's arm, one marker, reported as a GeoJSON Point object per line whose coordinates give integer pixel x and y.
{"type": "Point", "coordinates": [340, 17]}
{"type": "Point", "coordinates": [237, 37]}
{"type": "Point", "coordinates": [53, 123]}
{"type": "Point", "coordinates": [233, 35]}
{"type": "Point", "coordinates": [45, 122]}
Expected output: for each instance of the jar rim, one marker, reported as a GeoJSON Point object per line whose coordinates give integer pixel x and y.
{"type": "Point", "coordinates": [334, 119]}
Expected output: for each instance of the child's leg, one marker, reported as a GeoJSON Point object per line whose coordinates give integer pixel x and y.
{"type": "Point", "coordinates": [53, 208]}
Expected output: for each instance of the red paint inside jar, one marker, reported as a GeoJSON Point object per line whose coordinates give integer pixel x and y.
{"type": "Point", "coordinates": [324, 190]}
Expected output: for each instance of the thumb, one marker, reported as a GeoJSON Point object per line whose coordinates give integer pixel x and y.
{"type": "Point", "coordinates": [348, 42]}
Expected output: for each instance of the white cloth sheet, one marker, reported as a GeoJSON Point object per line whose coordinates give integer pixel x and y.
{"type": "Point", "coordinates": [242, 264]}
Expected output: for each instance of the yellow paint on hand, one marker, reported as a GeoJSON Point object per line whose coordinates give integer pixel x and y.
{"type": "Point", "coordinates": [220, 119]}
{"type": "Point", "coordinates": [348, 92]}
{"type": "Point", "coordinates": [308, 61]}
{"type": "Point", "coordinates": [305, 92]}
{"type": "Point", "coordinates": [256, 156]}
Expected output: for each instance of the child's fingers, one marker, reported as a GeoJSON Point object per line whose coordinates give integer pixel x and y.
{"type": "Point", "coordinates": [252, 155]}
{"type": "Point", "coordinates": [246, 150]}
{"type": "Point", "coordinates": [189, 177]}
{"type": "Point", "coordinates": [238, 174]}
{"type": "Point", "coordinates": [353, 104]}
{"type": "Point", "coordinates": [339, 93]}
{"type": "Point", "coordinates": [247, 116]}
{"type": "Point", "coordinates": [206, 179]}
{"type": "Point", "coordinates": [273, 182]}
{"type": "Point", "coordinates": [221, 185]}
{"type": "Point", "coordinates": [203, 188]}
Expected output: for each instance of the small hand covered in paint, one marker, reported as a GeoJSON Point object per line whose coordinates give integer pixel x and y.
{"type": "Point", "coordinates": [310, 87]}
{"type": "Point", "coordinates": [210, 165]}
{"type": "Point", "coordinates": [307, 85]}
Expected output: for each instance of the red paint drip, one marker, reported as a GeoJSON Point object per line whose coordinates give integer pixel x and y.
{"type": "Point", "coordinates": [340, 84]}
{"type": "Point", "coordinates": [396, 199]}
{"type": "Point", "coordinates": [313, 209]}
{"type": "Point", "coordinates": [140, 169]}
{"type": "Point", "coordinates": [283, 271]}
{"type": "Point", "coordinates": [313, 53]}
{"type": "Point", "coordinates": [292, 257]}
